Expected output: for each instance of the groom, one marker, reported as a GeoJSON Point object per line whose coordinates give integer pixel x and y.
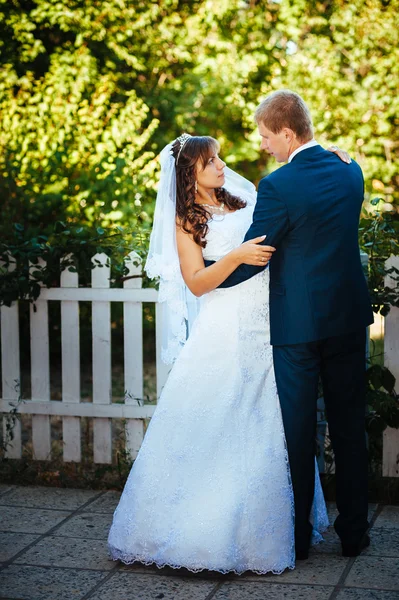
{"type": "Point", "coordinates": [319, 309]}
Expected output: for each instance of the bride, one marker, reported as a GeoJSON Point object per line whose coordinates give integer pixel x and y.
{"type": "Point", "coordinates": [210, 488]}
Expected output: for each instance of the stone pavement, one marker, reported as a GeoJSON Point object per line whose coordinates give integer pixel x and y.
{"type": "Point", "coordinates": [53, 547]}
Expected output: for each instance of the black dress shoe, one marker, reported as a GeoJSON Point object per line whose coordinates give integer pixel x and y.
{"type": "Point", "coordinates": [301, 554]}
{"type": "Point", "coordinates": [355, 549]}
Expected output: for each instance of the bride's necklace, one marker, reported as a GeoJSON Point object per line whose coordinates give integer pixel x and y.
{"type": "Point", "coordinates": [214, 207]}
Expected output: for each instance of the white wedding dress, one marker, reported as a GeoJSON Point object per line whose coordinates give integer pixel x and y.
{"type": "Point", "coordinates": [210, 488]}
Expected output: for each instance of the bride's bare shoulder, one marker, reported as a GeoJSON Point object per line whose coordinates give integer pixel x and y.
{"type": "Point", "coordinates": [184, 235]}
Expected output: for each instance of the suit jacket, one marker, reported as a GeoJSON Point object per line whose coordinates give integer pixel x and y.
{"type": "Point", "coordinates": [309, 209]}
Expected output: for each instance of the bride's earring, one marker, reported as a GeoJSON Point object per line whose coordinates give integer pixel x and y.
{"type": "Point", "coordinates": [196, 187]}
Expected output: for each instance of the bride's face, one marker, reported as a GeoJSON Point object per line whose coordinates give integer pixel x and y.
{"type": "Point", "coordinates": [211, 175]}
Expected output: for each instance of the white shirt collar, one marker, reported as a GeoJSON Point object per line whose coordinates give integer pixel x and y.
{"type": "Point", "coordinates": [303, 147]}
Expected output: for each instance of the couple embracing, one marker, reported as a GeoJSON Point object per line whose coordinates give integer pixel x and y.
{"type": "Point", "coordinates": [226, 478]}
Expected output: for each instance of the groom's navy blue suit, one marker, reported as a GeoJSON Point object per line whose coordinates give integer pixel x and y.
{"type": "Point", "coordinates": [319, 310]}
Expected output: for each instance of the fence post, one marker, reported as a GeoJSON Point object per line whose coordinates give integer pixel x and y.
{"type": "Point", "coordinates": [364, 258]}
{"type": "Point", "coordinates": [390, 453]}
{"type": "Point", "coordinates": [102, 383]}
{"type": "Point", "coordinates": [70, 351]}
{"type": "Point", "coordinates": [10, 369]}
{"type": "Point", "coordinates": [133, 353]}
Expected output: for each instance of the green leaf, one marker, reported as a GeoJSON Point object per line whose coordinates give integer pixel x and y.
{"type": "Point", "coordinates": [388, 380]}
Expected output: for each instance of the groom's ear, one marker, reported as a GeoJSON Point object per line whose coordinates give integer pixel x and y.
{"type": "Point", "coordinates": [289, 134]}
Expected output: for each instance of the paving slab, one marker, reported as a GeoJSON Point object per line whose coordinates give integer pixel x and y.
{"type": "Point", "coordinates": [45, 497]}
{"type": "Point", "coordinates": [348, 594]}
{"type": "Point", "coordinates": [29, 520]}
{"type": "Point", "coordinates": [138, 567]}
{"type": "Point", "coordinates": [271, 591]}
{"type": "Point", "coordinates": [106, 503]}
{"type": "Point", "coordinates": [68, 552]}
{"type": "Point", "coordinates": [37, 583]}
{"type": "Point", "coordinates": [129, 586]}
{"type": "Point", "coordinates": [374, 572]}
{"type": "Point", "coordinates": [384, 542]}
{"type": "Point", "coordinates": [330, 545]}
{"type": "Point", "coordinates": [388, 518]}
{"type": "Point", "coordinates": [5, 488]}
{"type": "Point", "coordinates": [12, 543]}
{"type": "Point", "coordinates": [319, 568]}
{"type": "Point", "coordinates": [87, 525]}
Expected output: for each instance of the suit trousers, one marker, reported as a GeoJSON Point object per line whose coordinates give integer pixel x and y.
{"type": "Point", "coordinates": [340, 362]}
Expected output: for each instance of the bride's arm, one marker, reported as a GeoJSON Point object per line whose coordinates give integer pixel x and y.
{"type": "Point", "coordinates": [201, 280]}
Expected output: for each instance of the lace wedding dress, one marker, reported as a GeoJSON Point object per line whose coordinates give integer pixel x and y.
{"type": "Point", "coordinates": [210, 488]}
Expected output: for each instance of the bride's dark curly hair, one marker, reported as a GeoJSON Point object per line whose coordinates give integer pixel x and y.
{"type": "Point", "coordinates": [192, 217]}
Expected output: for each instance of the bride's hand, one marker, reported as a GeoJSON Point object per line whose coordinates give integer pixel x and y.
{"type": "Point", "coordinates": [344, 156]}
{"type": "Point", "coordinates": [253, 253]}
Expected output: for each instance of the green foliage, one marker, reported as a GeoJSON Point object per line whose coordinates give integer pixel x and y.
{"type": "Point", "coordinates": [344, 58]}
{"type": "Point", "coordinates": [382, 411]}
{"type": "Point", "coordinates": [382, 400]}
{"type": "Point", "coordinates": [72, 147]}
{"type": "Point", "coordinates": [91, 91]}
{"type": "Point", "coordinates": [379, 237]}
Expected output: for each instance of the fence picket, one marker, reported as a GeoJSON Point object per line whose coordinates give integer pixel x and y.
{"type": "Point", "coordinates": [70, 350]}
{"type": "Point", "coordinates": [102, 383]}
{"type": "Point", "coordinates": [40, 374]}
{"type": "Point", "coordinates": [10, 369]}
{"type": "Point", "coordinates": [390, 453]}
{"type": "Point", "coordinates": [133, 354]}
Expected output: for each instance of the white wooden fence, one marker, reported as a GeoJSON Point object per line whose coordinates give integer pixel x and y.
{"type": "Point", "coordinates": [390, 457]}
{"type": "Point", "coordinates": [102, 409]}
{"type": "Point", "coordinates": [71, 409]}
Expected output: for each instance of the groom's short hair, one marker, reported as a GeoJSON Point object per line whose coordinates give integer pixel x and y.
{"type": "Point", "coordinates": [285, 109]}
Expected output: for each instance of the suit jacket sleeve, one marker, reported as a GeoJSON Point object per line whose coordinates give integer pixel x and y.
{"type": "Point", "coordinates": [271, 218]}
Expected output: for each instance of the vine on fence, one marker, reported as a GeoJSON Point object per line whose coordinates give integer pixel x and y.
{"type": "Point", "coordinates": [22, 273]}
{"type": "Point", "coordinates": [382, 400]}
{"type": "Point", "coordinates": [10, 421]}
{"type": "Point", "coordinates": [379, 237]}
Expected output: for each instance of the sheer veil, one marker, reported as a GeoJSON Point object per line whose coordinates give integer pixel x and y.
{"type": "Point", "coordinates": [179, 307]}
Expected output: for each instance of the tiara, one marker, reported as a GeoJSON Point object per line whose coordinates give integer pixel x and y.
{"type": "Point", "coordinates": [182, 139]}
